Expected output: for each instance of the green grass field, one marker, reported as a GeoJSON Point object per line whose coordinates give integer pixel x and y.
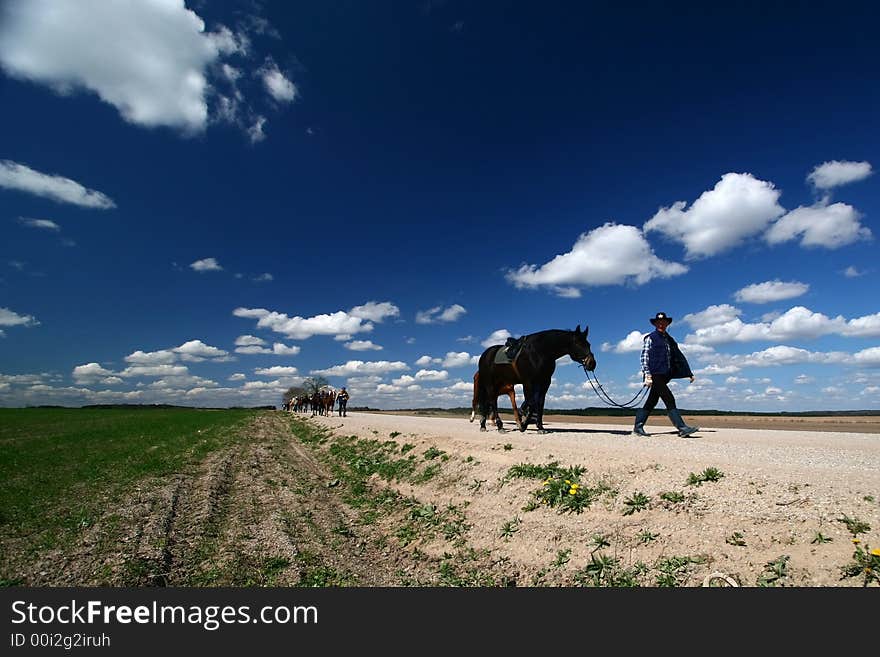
{"type": "Point", "coordinates": [59, 468]}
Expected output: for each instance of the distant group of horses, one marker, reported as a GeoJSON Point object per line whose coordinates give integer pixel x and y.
{"type": "Point", "coordinates": [533, 367]}
{"type": "Point", "coordinates": [319, 403]}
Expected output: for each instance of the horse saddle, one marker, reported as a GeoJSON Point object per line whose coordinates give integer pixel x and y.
{"type": "Point", "coordinates": [508, 352]}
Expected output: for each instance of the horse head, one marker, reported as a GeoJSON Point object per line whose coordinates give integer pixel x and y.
{"type": "Point", "coordinates": [580, 349]}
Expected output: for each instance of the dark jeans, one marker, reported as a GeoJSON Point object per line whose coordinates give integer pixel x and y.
{"type": "Point", "coordinates": [342, 406]}
{"type": "Point", "coordinates": [659, 390]}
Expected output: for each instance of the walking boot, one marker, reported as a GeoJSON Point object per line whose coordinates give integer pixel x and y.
{"type": "Point", "coordinates": [641, 418]}
{"type": "Point", "coordinates": [683, 429]}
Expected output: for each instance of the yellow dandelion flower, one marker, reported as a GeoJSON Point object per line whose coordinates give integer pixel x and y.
{"type": "Point", "coordinates": [568, 482]}
{"type": "Point", "coordinates": [856, 541]}
{"type": "Point", "coordinates": [572, 492]}
{"type": "Point", "coordinates": [876, 552]}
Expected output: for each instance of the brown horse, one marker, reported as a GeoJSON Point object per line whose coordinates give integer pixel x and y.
{"type": "Point", "coordinates": [503, 389]}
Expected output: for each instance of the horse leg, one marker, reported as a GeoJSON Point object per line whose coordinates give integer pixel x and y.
{"type": "Point", "coordinates": [512, 394]}
{"type": "Point", "coordinates": [526, 416]}
{"type": "Point", "coordinates": [541, 396]}
{"type": "Point", "coordinates": [498, 423]}
{"type": "Point", "coordinates": [476, 396]}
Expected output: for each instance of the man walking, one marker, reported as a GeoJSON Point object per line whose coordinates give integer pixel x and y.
{"type": "Point", "coordinates": [342, 399]}
{"type": "Point", "coordinates": [662, 361]}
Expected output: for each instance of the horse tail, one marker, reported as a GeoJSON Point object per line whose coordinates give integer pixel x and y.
{"type": "Point", "coordinates": [476, 399]}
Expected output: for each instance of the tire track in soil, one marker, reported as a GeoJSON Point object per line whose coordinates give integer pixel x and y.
{"type": "Point", "coordinates": [255, 514]}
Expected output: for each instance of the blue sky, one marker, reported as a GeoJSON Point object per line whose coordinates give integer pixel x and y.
{"type": "Point", "coordinates": [203, 204]}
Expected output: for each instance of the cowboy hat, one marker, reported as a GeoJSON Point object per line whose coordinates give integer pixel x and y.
{"type": "Point", "coordinates": [660, 316]}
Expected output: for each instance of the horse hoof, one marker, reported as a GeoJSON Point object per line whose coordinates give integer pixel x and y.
{"type": "Point", "coordinates": [542, 431]}
{"type": "Point", "coordinates": [483, 429]}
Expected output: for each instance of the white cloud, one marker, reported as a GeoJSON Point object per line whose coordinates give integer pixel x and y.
{"type": "Point", "coordinates": [375, 311]}
{"type": "Point", "coordinates": [426, 360]}
{"type": "Point", "coordinates": [11, 318]}
{"type": "Point", "coordinates": [276, 83]}
{"type": "Point", "coordinates": [796, 323]}
{"type": "Point", "coordinates": [359, 367]}
{"type": "Point", "coordinates": [738, 207]}
{"type": "Point", "coordinates": [281, 349]}
{"type": "Point", "coordinates": [44, 224]}
{"type": "Point", "coordinates": [712, 316]}
{"type": "Point", "coordinates": [238, 376]}
{"type": "Point", "coordinates": [820, 225]}
{"type": "Point", "coordinates": [248, 340]}
{"type": "Point", "coordinates": [154, 370]}
{"type": "Point", "coordinates": [432, 375]}
{"type": "Point", "coordinates": [362, 345]}
{"type": "Point", "coordinates": [612, 254]}
{"type": "Point", "coordinates": [838, 172]}
{"type": "Point", "coordinates": [300, 328]}
{"type": "Point", "coordinates": [160, 357]}
{"type": "Point", "coordinates": [206, 264]}
{"type": "Point", "coordinates": [63, 190]}
{"type": "Point", "coordinates": [404, 381]}
{"type": "Point", "coordinates": [255, 131]}
{"type": "Point", "coordinates": [496, 337]}
{"type": "Point", "coordinates": [90, 373]}
{"type": "Point", "coordinates": [803, 379]}
{"type": "Point", "coordinates": [634, 341]}
{"type": "Point", "coordinates": [276, 370]}
{"type": "Point", "coordinates": [439, 314]}
{"type": "Point", "coordinates": [458, 359]}
{"type": "Point", "coordinates": [196, 350]}
{"type": "Point", "coordinates": [852, 272]}
{"type": "Point", "coordinates": [770, 291]}
{"type": "Point", "coordinates": [868, 357]}
{"type": "Point", "coordinates": [262, 278]}
{"type": "Point", "coordinates": [146, 58]}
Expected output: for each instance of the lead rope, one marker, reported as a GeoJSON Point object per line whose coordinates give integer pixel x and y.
{"type": "Point", "coordinates": [605, 397]}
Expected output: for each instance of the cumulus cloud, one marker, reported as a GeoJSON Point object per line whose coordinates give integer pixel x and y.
{"type": "Point", "coordinates": [820, 225]}
{"type": "Point", "coordinates": [11, 318]}
{"type": "Point", "coordinates": [359, 367]}
{"type": "Point", "coordinates": [796, 323]}
{"type": "Point", "coordinates": [362, 345]}
{"type": "Point", "coordinates": [43, 224]}
{"type": "Point", "coordinates": [276, 83]}
{"type": "Point", "coordinates": [424, 361]}
{"type": "Point", "coordinates": [100, 47]}
{"type": "Point", "coordinates": [458, 359]}
{"type": "Point", "coordinates": [432, 375]}
{"type": "Point", "coordinates": [770, 291]}
{"type": "Point", "coordinates": [712, 316]}
{"type": "Point", "coordinates": [612, 254]}
{"type": "Point", "coordinates": [238, 376]}
{"type": "Point", "coordinates": [276, 370]}
{"type": "Point", "coordinates": [160, 357]}
{"type": "Point", "coordinates": [632, 342]}
{"type": "Point", "coordinates": [57, 188]}
{"type": "Point", "coordinates": [196, 350]}
{"type": "Point", "coordinates": [838, 172]}
{"type": "Point", "coordinates": [262, 278]}
{"type": "Point", "coordinates": [248, 340]}
{"type": "Point", "coordinates": [737, 208]}
{"type": "Point", "coordinates": [498, 336]}
{"type": "Point", "coordinates": [301, 328]}
{"type": "Point", "coordinates": [90, 373]}
{"type": "Point", "coordinates": [154, 370]}
{"type": "Point", "coordinates": [852, 272]}
{"type": "Point", "coordinates": [206, 264]}
{"type": "Point", "coordinates": [438, 314]}
{"type": "Point", "coordinates": [375, 311]}
{"type": "Point", "coordinates": [281, 349]}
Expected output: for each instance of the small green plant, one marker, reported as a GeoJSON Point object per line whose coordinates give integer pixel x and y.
{"type": "Point", "coordinates": [646, 537]}
{"type": "Point", "coordinates": [673, 570]}
{"type": "Point", "coordinates": [394, 434]}
{"type": "Point", "coordinates": [638, 502]}
{"type": "Point", "coordinates": [866, 562]}
{"type": "Point", "coordinates": [774, 571]}
{"type": "Point", "coordinates": [406, 447]}
{"type": "Point", "coordinates": [509, 528]}
{"type": "Point", "coordinates": [562, 558]}
{"type": "Point", "coordinates": [432, 453]}
{"type": "Point", "coordinates": [820, 538]}
{"type": "Point", "coordinates": [671, 496]}
{"type": "Point", "coordinates": [854, 525]}
{"type": "Point", "coordinates": [508, 447]}
{"type": "Point", "coordinates": [709, 474]}
{"type": "Point", "coordinates": [736, 539]}
{"type": "Point", "coordinates": [565, 495]}
{"type": "Point", "coordinates": [868, 498]}
{"type": "Point", "coordinates": [599, 542]}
